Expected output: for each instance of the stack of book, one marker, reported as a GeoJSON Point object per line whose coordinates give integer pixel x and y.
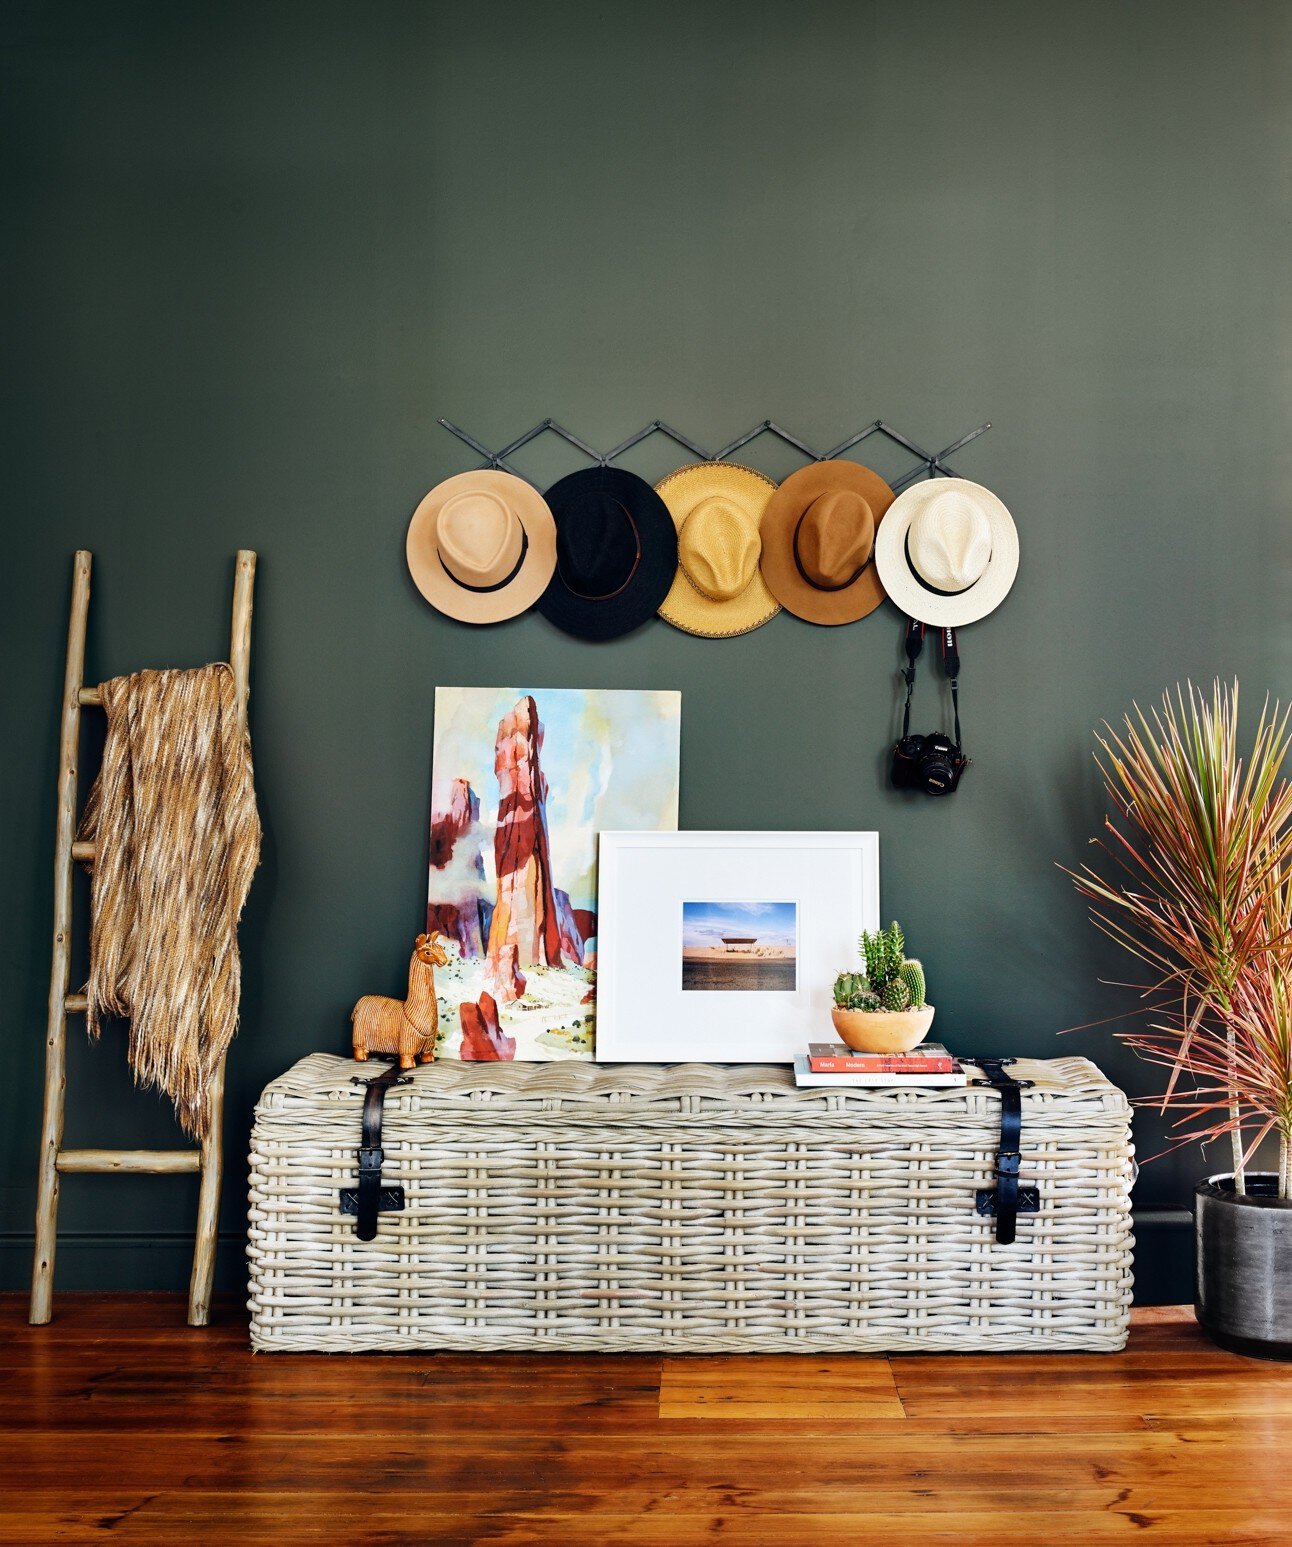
{"type": "Point", "coordinates": [832, 1064]}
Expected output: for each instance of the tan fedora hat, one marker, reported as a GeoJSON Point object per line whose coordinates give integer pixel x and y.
{"type": "Point", "coordinates": [819, 540]}
{"type": "Point", "coordinates": [482, 546]}
{"type": "Point", "coordinates": [947, 552]}
{"type": "Point", "coordinates": [718, 590]}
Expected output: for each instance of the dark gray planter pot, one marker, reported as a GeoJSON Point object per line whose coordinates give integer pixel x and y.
{"type": "Point", "coordinates": [1242, 1263]}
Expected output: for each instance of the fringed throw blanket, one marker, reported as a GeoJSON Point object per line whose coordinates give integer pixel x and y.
{"type": "Point", "coordinates": [173, 816]}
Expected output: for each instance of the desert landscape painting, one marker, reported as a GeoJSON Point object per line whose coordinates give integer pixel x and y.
{"type": "Point", "coordinates": [741, 947]}
{"type": "Point", "coordinates": [522, 782]}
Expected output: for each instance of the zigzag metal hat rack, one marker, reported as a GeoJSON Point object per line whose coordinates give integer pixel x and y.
{"type": "Point", "coordinates": [930, 463]}
{"type": "Point", "coordinates": [207, 1160]}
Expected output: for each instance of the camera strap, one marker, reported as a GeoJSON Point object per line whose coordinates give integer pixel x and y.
{"type": "Point", "coordinates": [951, 665]}
{"type": "Point", "coordinates": [950, 650]}
{"type": "Point", "coordinates": [914, 644]}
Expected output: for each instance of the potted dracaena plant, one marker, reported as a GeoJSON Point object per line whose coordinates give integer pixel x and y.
{"type": "Point", "coordinates": [884, 1009]}
{"type": "Point", "coordinates": [1196, 882]}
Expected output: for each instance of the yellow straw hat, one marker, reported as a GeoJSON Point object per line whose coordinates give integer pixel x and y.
{"type": "Point", "coordinates": [718, 590]}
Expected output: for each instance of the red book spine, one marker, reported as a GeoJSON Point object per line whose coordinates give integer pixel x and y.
{"type": "Point", "coordinates": [882, 1063]}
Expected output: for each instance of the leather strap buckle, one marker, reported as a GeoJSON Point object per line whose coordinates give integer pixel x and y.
{"type": "Point", "coordinates": [370, 1198]}
{"type": "Point", "coordinates": [1006, 1200]}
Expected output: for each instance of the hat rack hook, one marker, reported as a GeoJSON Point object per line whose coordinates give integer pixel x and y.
{"type": "Point", "coordinates": [929, 464]}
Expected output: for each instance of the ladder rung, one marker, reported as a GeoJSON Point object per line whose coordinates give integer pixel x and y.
{"type": "Point", "coordinates": [76, 1004]}
{"type": "Point", "coordinates": [84, 849]}
{"type": "Point", "coordinates": [156, 1161]}
{"type": "Point", "coordinates": [89, 696]}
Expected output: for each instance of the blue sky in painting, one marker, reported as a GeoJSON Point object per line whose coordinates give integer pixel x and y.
{"type": "Point", "coordinates": [705, 923]}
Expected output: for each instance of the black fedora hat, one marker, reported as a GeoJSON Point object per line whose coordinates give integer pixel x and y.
{"type": "Point", "coordinates": [616, 553]}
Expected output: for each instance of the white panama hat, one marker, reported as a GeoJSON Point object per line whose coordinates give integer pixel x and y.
{"type": "Point", "coordinates": [947, 552]}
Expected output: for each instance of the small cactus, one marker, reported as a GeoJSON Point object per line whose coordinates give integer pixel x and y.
{"type": "Point", "coordinates": [851, 991]}
{"type": "Point", "coordinates": [896, 995]}
{"type": "Point", "coordinates": [891, 981]}
{"type": "Point", "coordinates": [912, 974]}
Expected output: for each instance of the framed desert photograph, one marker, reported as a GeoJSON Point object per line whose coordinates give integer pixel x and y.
{"type": "Point", "coordinates": [721, 947]}
{"type": "Point", "coordinates": [739, 947]}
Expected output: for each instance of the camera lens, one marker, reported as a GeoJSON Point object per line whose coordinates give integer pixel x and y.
{"type": "Point", "coordinates": [937, 774]}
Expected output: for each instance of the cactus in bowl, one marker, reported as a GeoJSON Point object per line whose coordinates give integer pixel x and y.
{"type": "Point", "coordinates": [852, 992]}
{"type": "Point", "coordinates": [885, 1008]}
{"type": "Point", "coordinates": [912, 974]}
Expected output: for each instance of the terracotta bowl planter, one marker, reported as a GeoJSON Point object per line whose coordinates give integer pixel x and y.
{"type": "Point", "coordinates": [883, 1031]}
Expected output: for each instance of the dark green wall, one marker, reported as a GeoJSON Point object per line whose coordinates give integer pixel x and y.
{"type": "Point", "coordinates": [252, 251]}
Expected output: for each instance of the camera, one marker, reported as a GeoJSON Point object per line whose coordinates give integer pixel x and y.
{"type": "Point", "coordinates": [929, 763]}
{"type": "Point", "coordinates": [932, 764]}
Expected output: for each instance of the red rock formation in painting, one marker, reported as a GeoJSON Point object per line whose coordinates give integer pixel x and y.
{"type": "Point", "coordinates": [483, 1039]}
{"type": "Point", "coordinates": [585, 921]}
{"type": "Point", "coordinates": [525, 912]}
{"type": "Point", "coordinates": [448, 826]}
{"type": "Point", "coordinates": [457, 922]}
{"type": "Point", "coordinates": [571, 939]}
{"type": "Point", "coordinates": [503, 977]}
{"type": "Point", "coordinates": [457, 873]}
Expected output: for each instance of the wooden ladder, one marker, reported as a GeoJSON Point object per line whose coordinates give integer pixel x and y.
{"type": "Point", "coordinates": [207, 1160]}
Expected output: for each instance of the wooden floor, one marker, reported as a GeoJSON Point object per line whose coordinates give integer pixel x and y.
{"type": "Point", "coordinates": [118, 1423]}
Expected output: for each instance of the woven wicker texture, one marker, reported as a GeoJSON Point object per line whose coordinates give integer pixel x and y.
{"type": "Point", "coordinates": [692, 1207]}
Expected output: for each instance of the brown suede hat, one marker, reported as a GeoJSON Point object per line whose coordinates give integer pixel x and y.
{"type": "Point", "coordinates": [818, 536]}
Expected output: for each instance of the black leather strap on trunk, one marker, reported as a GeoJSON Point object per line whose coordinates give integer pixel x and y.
{"type": "Point", "coordinates": [371, 1154]}
{"type": "Point", "coordinates": [1005, 1199]}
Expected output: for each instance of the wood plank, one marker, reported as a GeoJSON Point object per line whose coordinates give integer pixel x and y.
{"type": "Point", "coordinates": [722, 1409]}
{"type": "Point", "coordinates": [142, 1520]}
{"type": "Point", "coordinates": [778, 1386]}
{"type": "Point", "coordinates": [531, 1492]}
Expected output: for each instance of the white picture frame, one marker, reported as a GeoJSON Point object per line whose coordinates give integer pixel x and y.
{"type": "Point", "coordinates": [816, 892]}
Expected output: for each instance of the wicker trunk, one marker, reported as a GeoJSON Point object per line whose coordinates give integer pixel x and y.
{"type": "Point", "coordinates": [692, 1208]}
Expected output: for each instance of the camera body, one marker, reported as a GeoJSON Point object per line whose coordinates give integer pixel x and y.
{"type": "Point", "coordinates": [932, 764]}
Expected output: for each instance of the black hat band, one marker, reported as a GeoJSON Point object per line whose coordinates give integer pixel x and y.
{"type": "Point", "coordinates": [816, 584]}
{"type": "Point", "coordinates": [483, 590]}
{"type": "Point", "coordinates": [919, 578]}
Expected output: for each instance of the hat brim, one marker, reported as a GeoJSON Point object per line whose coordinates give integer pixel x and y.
{"type": "Point", "coordinates": [446, 594]}
{"type": "Point", "coordinates": [685, 607]}
{"type": "Point", "coordinates": [905, 587]}
{"type": "Point", "coordinates": [785, 580]}
{"type": "Point", "coordinates": [613, 616]}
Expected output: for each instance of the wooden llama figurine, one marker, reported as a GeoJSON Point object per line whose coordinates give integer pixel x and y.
{"type": "Point", "coordinates": [384, 1025]}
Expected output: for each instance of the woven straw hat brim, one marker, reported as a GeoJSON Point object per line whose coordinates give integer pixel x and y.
{"type": "Point", "coordinates": [780, 521]}
{"type": "Point", "coordinates": [459, 601]}
{"type": "Point", "coordinates": [905, 587]}
{"type": "Point", "coordinates": [613, 616]}
{"type": "Point", "coordinates": [685, 607]}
